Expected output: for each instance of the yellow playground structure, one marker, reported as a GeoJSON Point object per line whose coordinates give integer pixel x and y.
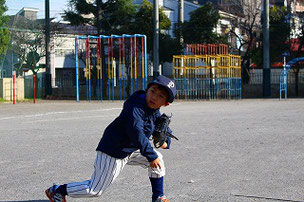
{"type": "Point", "coordinates": [207, 76]}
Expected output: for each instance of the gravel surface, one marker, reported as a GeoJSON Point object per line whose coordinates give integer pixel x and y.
{"type": "Point", "coordinates": [238, 151]}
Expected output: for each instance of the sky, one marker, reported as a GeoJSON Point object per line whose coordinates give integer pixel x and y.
{"type": "Point", "coordinates": [56, 7]}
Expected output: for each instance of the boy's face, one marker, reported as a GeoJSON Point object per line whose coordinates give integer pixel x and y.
{"type": "Point", "coordinates": [156, 97]}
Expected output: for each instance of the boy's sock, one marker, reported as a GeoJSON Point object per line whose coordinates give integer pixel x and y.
{"type": "Point", "coordinates": [62, 189]}
{"type": "Point", "coordinates": [157, 187]}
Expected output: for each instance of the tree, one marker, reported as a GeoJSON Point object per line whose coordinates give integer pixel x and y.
{"type": "Point", "coordinates": [168, 47]}
{"type": "Point", "coordinates": [4, 32]}
{"type": "Point", "coordinates": [298, 40]}
{"type": "Point", "coordinates": [118, 17]}
{"type": "Point", "coordinates": [122, 17]}
{"type": "Point", "coordinates": [102, 14]}
{"type": "Point", "coordinates": [143, 24]}
{"type": "Point", "coordinates": [279, 31]}
{"type": "Point", "coordinates": [29, 50]}
{"type": "Point", "coordinates": [250, 26]}
{"type": "Point", "coordinates": [199, 29]}
{"type": "Point", "coordinates": [281, 24]}
{"type": "Point", "coordinates": [79, 11]}
{"type": "Point", "coordinates": [131, 20]}
{"type": "Point", "coordinates": [28, 43]}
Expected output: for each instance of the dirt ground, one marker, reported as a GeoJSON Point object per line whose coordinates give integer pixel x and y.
{"type": "Point", "coordinates": [244, 150]}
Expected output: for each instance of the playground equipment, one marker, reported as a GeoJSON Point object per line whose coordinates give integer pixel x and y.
{"type": "Point", "coordinates": [118, 62]}
{"type": "Point", "coordinates": [206, 49]}
{"type": "Point", "coordinates": [284, 75]}
{"type": "Point", "coordinates": [207, 76]}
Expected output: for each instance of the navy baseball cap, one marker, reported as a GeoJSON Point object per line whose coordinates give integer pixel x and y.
{"type": "Point", "coordinates": [168, 84]}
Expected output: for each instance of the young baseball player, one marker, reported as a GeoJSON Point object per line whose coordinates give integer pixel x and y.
{"type": "Point", "coordinates": [126, 141]}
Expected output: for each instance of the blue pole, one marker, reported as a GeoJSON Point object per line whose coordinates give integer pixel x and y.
{"type": "Point", "coordinates": [113, 69]}
{"type": "Point", "coordinates": [90, 94]}
{"type": "Point", "coordinates": [97, 88]}
{"type": "Point", "coordinates": [89, 71]}
{"type": "Point", "coordinates": [146, 66]}
{"type": "Point", "coordinates": [143, 73]}
{"type": "Point", "coordinates": [113, 89]}
{"type": "Point", "coordinates": [229, 87]}
{"type": "Point", "coordinates": [101, 88]}
{"type": "Point", "coordinates": [135, 62]}
{"type": "Point", "coordinates": [87, 88]}
{"type": "Point", "coordinates": [123, 66]}
{"type": "Point", "coordinates": [240, 86]}
{"type": "Point", "coordinates": [100, 63]}
{"type": "Point", "coordinates": [76, 60]}
{"type": "Point", "coordinates": [131, 84]}
{"type": "Point", "coordinates": [120, 69]}
{"type": "Point", "coordinates": [145, 60]}
{"type": "Point", "coordinates": [109, 90]}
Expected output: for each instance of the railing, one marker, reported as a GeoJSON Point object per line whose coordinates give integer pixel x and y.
{"type": "Point", "coordinates": [256, 77]}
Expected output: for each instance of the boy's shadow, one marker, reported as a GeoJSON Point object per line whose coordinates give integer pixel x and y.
{"type": "Point", "coordinates": [29, 201]}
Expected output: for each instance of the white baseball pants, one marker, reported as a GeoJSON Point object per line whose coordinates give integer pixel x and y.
{"type": "Point", "coordinates": [106, 169]}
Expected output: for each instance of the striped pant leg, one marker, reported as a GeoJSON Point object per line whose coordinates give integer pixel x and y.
{"type": "Point", "coordinates": [106, 169]}
{"type": "Point", "coordinates": [137, 159]}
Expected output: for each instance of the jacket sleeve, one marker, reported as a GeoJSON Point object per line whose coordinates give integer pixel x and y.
{"type": "Point", "coordinates": [168, 141]}
{"type": "Point", "coordinates": [135, 131]}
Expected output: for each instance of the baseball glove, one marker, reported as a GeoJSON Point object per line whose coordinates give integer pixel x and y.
{"type": "Point", "coordinates": [160, 133]}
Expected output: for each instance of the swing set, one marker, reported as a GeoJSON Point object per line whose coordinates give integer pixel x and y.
{"type": "Point", "coordinates": [114, 66]}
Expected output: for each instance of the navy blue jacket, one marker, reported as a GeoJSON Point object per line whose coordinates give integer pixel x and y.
{"type": "Point", "coordinates": [131, 130]}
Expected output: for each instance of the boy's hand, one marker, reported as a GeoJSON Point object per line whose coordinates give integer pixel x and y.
{"type": "Point", "coordinates": [155, 163]}
{"type": "Point", "coordinates": [164, 146]}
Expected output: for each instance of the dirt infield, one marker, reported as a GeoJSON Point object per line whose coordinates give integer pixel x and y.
{"type": "Point", "coordinates": [245, 150]}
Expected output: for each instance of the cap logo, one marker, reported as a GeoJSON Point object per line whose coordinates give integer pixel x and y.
{"type": "Point", "coordinates": [171, 84]}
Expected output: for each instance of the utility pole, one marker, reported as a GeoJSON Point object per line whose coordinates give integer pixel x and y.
{"type": "Point", "coordinates": [181, 20]}
{"type": "Point", "coordinates": [156, 40]}
{"type": "Point", "coordinates": [48, 76]}
{"type": "Point", "coordinates": [266, 59]}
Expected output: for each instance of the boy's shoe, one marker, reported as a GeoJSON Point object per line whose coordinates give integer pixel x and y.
{"type": "Point", "coordinates": [162, 199]}
{"type": "Point", "coordinates": [53, 196]}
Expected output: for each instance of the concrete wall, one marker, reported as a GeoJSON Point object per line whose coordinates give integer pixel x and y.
{"type": "Point", "coordinates": [6, 86]}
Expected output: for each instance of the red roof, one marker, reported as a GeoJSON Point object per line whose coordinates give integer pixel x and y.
{"type": "Point", "coordinates": [277, 64]}
{"type": "Point", "coordinates": [253, 65]}
{"type": "Point", "coordinates": [294, 45]}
